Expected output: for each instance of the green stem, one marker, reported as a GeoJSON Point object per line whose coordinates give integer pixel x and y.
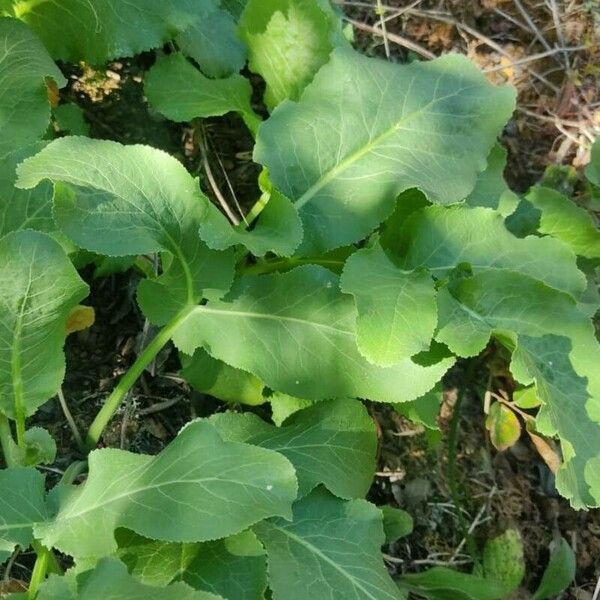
{"type": "Point", "coordinates": [70, 420]}
{"type": "Point", "coordinates": [128, 380]}
{"type": "Point", "coordinates": [6, 441]}
{"type": "Point", "coordinates": [40, 568]}
{"type": "Point", "coordinates": [252, 121]}
{"type": "Point", "coordinates": [452, 452]}
{"type": "Point", "coordinates": [73, 471]}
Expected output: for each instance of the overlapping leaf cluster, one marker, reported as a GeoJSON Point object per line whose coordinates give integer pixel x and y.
{"type": "Point", "coordinates": [387, 246]}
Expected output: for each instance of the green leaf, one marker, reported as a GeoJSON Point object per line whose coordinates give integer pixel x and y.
{"type": "Point", "coordinates": [592, 171]}
{"type": "Point", "coordinates": [213, 43]}
{"type": "Point", "coordinates": [70, 119]}
{"type": "Point", "coordinates": [330, 550]}
{"type": "Point", "coordinates": [426, 125]}
{"type": "Point", "coordinates": [23, 209]}
{"type": "Point", "coordinates": [22, 497]}
{"type": "Point", "coordinates": [526, 398]}
{"type": "Point", "coordinates": [128, 200]}
{"type": "Point", "coordinates": [288, 41]}
{"type": "Point", "coordinates": [40, 447]}
{"type": "Point", "coordinates": [283, 406]}
{"type": "Point", "coordinates": [397, 311]}
{"type": "Point", "coordinates": [331, 442]}
{"type": "Point", "coordinates": [299, 338]}
{"type": "Point", "coordinates": [559, 573]}
{"type": "Point", "coordinates": [441, 239]}
{"type": "Point", "coordinates": [177, 90]}
{"type": "Point", "coordinates": [397, 523]}
{"type": "Point", "coordinates": [440, 583]}
{"type": "Point", "coordinates": [563, 219]}
{"type": "Point", "coordinates": [504, 561]}
{"type": "Point", "coordinates": [278, 228]}
{"type": "Point", "coordinates": [491, 190]}
{"type": "Point", "coordinates": [202, 487]}
{"type": "Point", "coordinates": [424, 410]}
{"type": "Point", "coordinates": [503, 425]}
{"type": "Point", "coordinates": [101, 30]}
{"type": "Point", "coordinates": [235, 7]}
{"type": "Point", "coordinates": [110, 580]}
{"type": "Point", "coordinates": [216, 378]}
{"type": "Point", "coordinates": [570, 409]}
{"type": "Point", "coordinates": [38, 288]}
{"type": "Point", "coordinates": [24, 105]}
{"type": "Point", "coordinates": [234, 568]}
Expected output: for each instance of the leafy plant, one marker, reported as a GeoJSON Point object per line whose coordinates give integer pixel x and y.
{"type": "Point", "coordinates": [378, 254]}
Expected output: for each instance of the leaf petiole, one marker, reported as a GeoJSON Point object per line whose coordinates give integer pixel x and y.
{"type": "Point", "coordinates": [6, 440]}
{"type": "Point", "coordinates": [128, 380]}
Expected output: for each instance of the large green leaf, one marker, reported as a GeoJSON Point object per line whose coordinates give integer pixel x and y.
{"type": "Point", "coordinates": [234, 568]}
{"type": "Point", "coordinates": [397, 311]}
{"type": "Point", "coordinates": [213, 42]}
{"type": "Point", "coordinates": [331, 550]}
{"type": "Point", "coordinates": [111, 581]}
{"type": "Point", "coordinates": [288, 40]}
{"type": "Point", "coordinates": [560, 571]}
{"type": "Point", "coordinates": [98, 30]}
{"type": "Point", "coordinates": [570, 409]}
{"type": "Point", "coordinates": [440, 239]}
{"type": "Point", "coordinates": [177, 90]}
{"type": "Point", "coordinates": [23, 209]}
{"type": "Point", "coordinates": [296, 332]}
{"type": "Point", "coordinates": [426, 125]}
{"type": "Point", "coordinates": [38, 288]}
{"type": "Point", "coordinates": [592, 171]}
{"type": "Point", "coordinates": [332, 442]}
{"type": "Point", "coordinates": [128, 200]}
{"type": "Point", "coordinates": [491, 189]}
{"type": "Point", "coordinates": [24, 66]}
{"type": "Point", "coordinates": [198, 488]}
{"type": "Point", "coordinates": [22, 504]}
{"type": "Point", "coordinates": [563, 219]}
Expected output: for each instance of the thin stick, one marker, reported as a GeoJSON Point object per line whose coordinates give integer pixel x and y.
{"type": "Point", "coordinates": [596, 595]}
{"type": "Point", "coordinates": [532, 57]}
{"type": "Point", "coordinates": [386, 43]}
{"type": "Point", "coordinates": [70, 420]}
{"type": "Point", "coordinates": [213, 183]}
{"type": "Point", "coordinates": [392, 37]}
{"type": "Point", "coordinates": [559, 32]}
{"type": "Point", "coordinates": [532, 25]}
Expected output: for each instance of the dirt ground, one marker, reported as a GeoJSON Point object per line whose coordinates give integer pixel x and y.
{"type": "Point", "coordinates": [557, 118]}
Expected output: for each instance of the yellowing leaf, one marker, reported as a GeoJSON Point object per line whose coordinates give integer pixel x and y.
{"type": "Point", "coordinates": [81, 317]}
{"type": "Point", "coordinates": [503, 425]}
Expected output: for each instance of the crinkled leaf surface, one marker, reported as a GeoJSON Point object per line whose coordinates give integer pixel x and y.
{"type": "Point", "coordinates": [23, 209]}
{"type": "Point", "coordinates": [296, 332]}
{"type": "Point", "coordinates": [278, 229]}
{"type": "Point", "coordinates": [426, 125]}
{"type": "Point", "coordinates": [177, 90]}
{"type": "Point", "coordinates": [563, 219]}
{"type": "Point", "coordinates": [38, 288]}
{"type": "Point", "coordinates": [99, 30]}
{"type": "Point", "coordinates": [331, 550]}
{"type": "Point", "coordinates": [397, 311]}
{"type": "Point", "coordinates": [128, 200]}
{"type": "Point", "coordinates": [22, 504]}
{"type": "Point", "coordinates": [439, 239]}
{"type": "Point", "coordinates": [503, 559]}
{"type": "Point", "coordinates": [111, 581]}
{"type": "Point", "coordinates": [24, 66]}
{"type": "Point", "coordinates": [491, 189]}
{"type": "Point", "coordinates": [570, 409]}
{"type": "Point", "coordinates": [331, 442]}
{"type": "Point", "coordinates": [198, 488]}
{"type": "Point", "coordinates": [213, 42]}
{"type": "Point", "coordinates": [288, 40]}
{"type": "Point", "coordinates": [234, 568]}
